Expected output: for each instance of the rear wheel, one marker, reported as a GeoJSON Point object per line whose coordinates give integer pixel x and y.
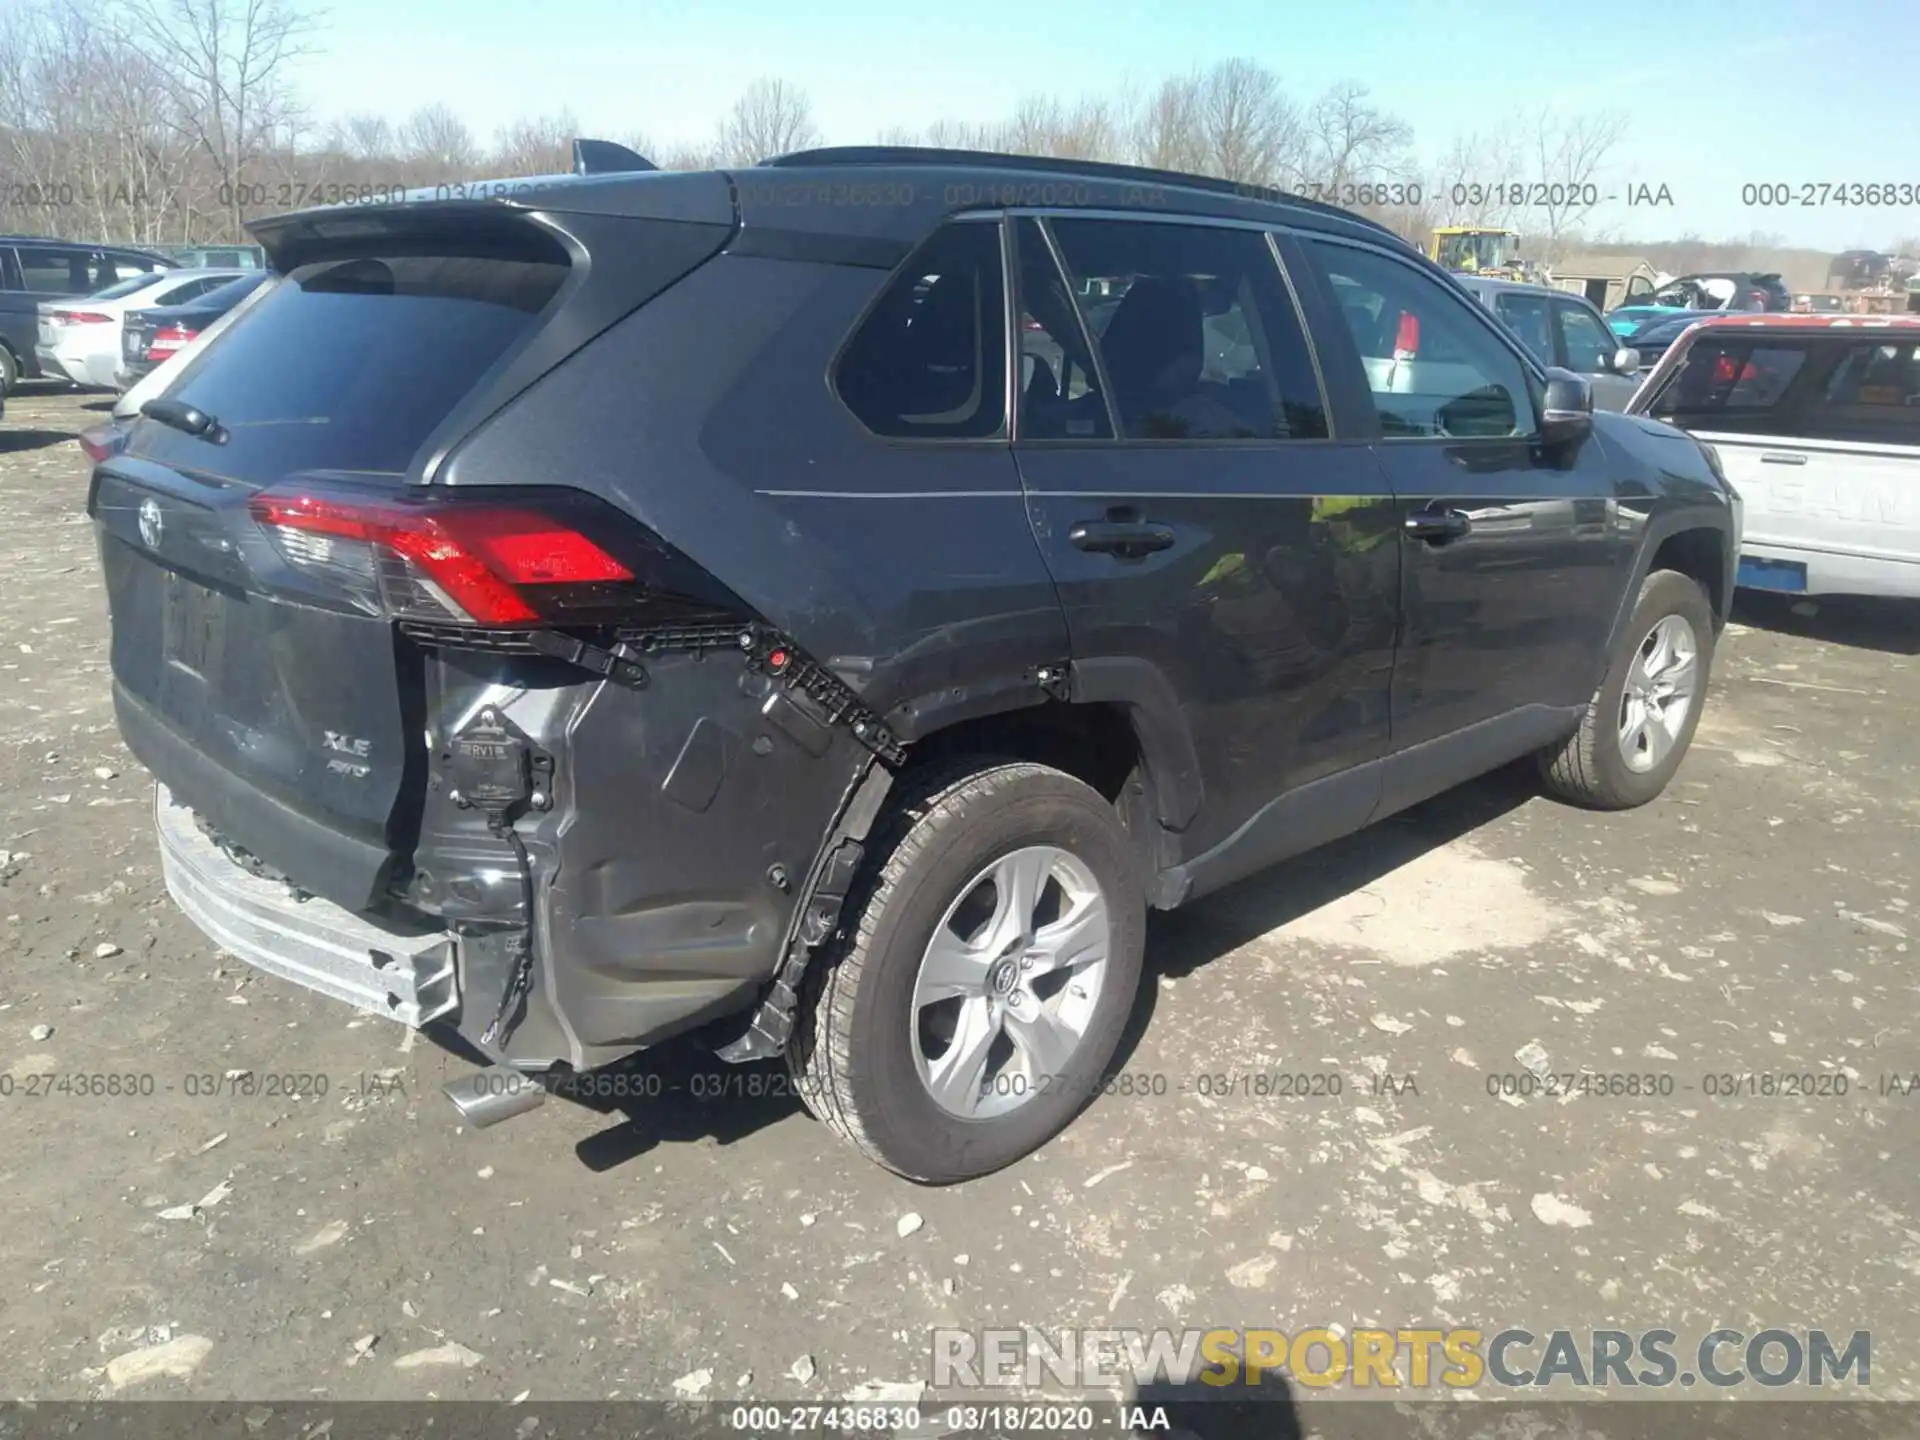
{"type": "Point", "coordinates": [980, 984]}
{"type": "Point", "coordinates": [1641, 720]}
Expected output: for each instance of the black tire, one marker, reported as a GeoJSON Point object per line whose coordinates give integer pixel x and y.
{"type": "Point", "coordinates": [9, 372]}
{"type": "Point", "coordinates": [852, 1052]}
{"type": "Point", "coordinates": [1591, 768]}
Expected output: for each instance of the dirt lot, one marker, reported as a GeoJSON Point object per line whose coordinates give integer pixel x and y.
{"type": "Point", "coordinates": [1756, 920]}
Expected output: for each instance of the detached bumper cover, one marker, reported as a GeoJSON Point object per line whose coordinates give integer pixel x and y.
{"type": "Point", "coordinates": [409, 977]}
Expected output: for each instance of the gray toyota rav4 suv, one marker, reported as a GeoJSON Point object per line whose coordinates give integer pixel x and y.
{"type": "Point", "coordinates": [825, 605]}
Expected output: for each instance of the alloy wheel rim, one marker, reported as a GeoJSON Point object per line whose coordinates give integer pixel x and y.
{"type": "Point", "coordinates": [1659, 694]}
{"type": "Point", "coordinates": [1009, 982]}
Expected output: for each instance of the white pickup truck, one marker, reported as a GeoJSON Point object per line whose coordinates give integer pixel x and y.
{"type": "Point", "coordinates": [1817, 421]}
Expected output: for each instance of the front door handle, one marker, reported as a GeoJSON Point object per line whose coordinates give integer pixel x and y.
{"type": "Point", "coordinates": [1438, 526]}
{"type": "Point", "coordinates": [1129, 539]}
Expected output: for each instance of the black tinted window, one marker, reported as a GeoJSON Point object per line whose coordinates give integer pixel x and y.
{"type": "Point", "coordinates": [1736, 384]}
{"type": "Point", "coordinates": [1526, 315]}
{"type": "Point", "coordinates": [1197, 332]}
{"type": "Point", "coordinates": [1433, 366]}
{"type": "Point", "coordinates": [930, 359]}
{"type": "Point", "coordinates": [350, 365]}
{"type": "Point", "coordinates": [57, 272]}
{"type": "Point", "coordinates": [1060, 395]}
{"type": "Point", "coordinates": [1589, 345]}
{"type": "Point", "coordinates": [1873, 393]}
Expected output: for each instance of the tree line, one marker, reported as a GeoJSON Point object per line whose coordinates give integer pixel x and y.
{"type": "Point", "coordinates": [173, 121]}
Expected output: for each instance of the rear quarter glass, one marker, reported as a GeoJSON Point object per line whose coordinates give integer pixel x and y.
{"type": "Point", "coordinates": [351, 364]}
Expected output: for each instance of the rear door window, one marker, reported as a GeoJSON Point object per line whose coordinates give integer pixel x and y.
{"type": "Point", "coordinates": [929, 361]}
{"type": "Point", "coordinates": [1872, 394]}
{"type": "Point", "coordinates": [1060, 395]}
{"type": "Point", "coordinates": [1198, 335]}
{"type": "Point", "coordinates": [351, 364]}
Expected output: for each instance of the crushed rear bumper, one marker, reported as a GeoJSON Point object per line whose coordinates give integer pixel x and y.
{"type": "Point", "coordinates": [409, 976]}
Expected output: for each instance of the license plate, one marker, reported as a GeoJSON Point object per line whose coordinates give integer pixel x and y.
{"type": "Point", "coordinates": [196, 630]}
{"type": "Point", "coordinates": [1789, 576]}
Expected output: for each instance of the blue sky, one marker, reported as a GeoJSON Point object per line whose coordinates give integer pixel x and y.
{"type": "Point", "coordinates": [1795, 92]}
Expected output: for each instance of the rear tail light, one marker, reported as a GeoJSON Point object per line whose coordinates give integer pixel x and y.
{"type": "Point", "coordinates": [79, 317]}
{"type": "Point", "coordinates": [168, 340]}
{"type": "Point", "coordinates": [1406, 342]}
{"type": "Point", "coordinates": [523, 560]}
{"type": "Point", "coordinates": [103, 442]}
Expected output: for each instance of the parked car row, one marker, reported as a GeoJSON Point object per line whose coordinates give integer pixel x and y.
{"type": "Point", "coordinates": [63, 303]}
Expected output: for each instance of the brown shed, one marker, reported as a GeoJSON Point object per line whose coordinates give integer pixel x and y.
{"type": "Point", "coordinates": [1607, 280]}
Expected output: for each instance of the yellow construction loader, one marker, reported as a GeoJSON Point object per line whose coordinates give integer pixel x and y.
{"type": "Point", "coordinates": [1482, 250]}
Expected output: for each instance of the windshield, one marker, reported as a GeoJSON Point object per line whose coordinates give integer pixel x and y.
{"type": "Point", "coordinates": [1484, 251]}
{"type": "Point", "coordinates": [229, 294]}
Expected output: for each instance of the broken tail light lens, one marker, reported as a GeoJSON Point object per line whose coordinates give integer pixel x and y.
{"type": "Point", "coordinates": [549, 558]}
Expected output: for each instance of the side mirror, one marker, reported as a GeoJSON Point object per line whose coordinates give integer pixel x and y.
{"type": "Point", "coordinates": [1626, 361]}
{"type": "Point", "coordinates": [1566, 412]}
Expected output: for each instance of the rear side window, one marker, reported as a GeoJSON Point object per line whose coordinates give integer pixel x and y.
{"type": "Point", "coordinates": [1733, 384]}
{"type": "Point", "coordinates": [352, 364]}
{"type": "Point", "coordinates": [56, 272]}
{"type": "Point", "coordinates": [1198, 336]}
{"type": "Point", "coordinates": [929, 361]}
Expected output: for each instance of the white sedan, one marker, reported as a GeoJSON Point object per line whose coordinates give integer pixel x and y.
{"type": "Point", "coordinates": [79, 339]}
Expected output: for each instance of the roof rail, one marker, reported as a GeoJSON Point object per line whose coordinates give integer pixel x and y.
{"type": "Point", "coordinates": [603, 157]}
{"type": "Point", "coordinates": [1136, 174]}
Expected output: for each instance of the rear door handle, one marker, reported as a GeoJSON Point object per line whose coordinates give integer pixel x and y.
{"type": "Point", "coordinates": [1781, 457]}
{"type": "Point", "coordinates": [1438, 526]}
{"type": "Point", "coordinates": [1129, 539]}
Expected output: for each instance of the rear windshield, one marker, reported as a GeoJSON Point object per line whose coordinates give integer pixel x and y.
{"type": "Point", "coordinates": [123, 287]}
{"type": "Point", "coordinates": [351, 364]}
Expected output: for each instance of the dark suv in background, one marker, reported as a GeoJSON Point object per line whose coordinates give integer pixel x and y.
{"type": "Point", "coordinates": [34, 268]}
{"type": "Point", "coordinates": [827, 604]}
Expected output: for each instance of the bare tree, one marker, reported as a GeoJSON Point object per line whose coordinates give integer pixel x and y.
{"type": "Point", "coordinates": [964, 135]}
{"type": "Point", "coordinates": [224, 62]}
{"type": "Point", "coordinates": [1478, 176]}
{"type": "Point", "coordinates": [1166, 130]}
{"type": "Point", "coordinates": [1570, 156]}
{"type": "Point", "coordinates": [1350, 140]}
{"type": "Point", "coordinates": [365, 137]}
{"type": "Point", "coordinates": [1250, 130]}
{"type": "Point", "coordinates": [542, 145]}
{"type": "Point", "coordinates": [433, 135]}
{"type": "Point", "coordinates": [771, 118]}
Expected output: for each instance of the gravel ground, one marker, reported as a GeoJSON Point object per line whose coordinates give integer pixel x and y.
{"type": "Point", "coordinates": [356, 1245]}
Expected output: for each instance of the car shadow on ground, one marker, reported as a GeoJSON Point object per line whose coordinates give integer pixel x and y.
{"type": "Point", "coordinates": [1179, 942]}
{"type": "Point", "coordinates": [1192, 1408]}
{"type": "Point", "coordinates": [14, 442]}
{"type": "Point", "coordinates": [1857, 621]}
{"type": "Point", "coordinates": [680, 1092]}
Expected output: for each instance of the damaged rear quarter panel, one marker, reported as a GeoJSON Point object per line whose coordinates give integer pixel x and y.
{"type": "Point", "coordinates": [907, 570]}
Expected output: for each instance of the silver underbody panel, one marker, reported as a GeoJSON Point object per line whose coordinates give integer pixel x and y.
{"type": "Point", "coordinates": [411, 978]}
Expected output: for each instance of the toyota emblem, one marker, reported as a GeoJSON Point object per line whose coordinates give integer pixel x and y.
{"type": "Point", "coordinates": [152, 522]}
